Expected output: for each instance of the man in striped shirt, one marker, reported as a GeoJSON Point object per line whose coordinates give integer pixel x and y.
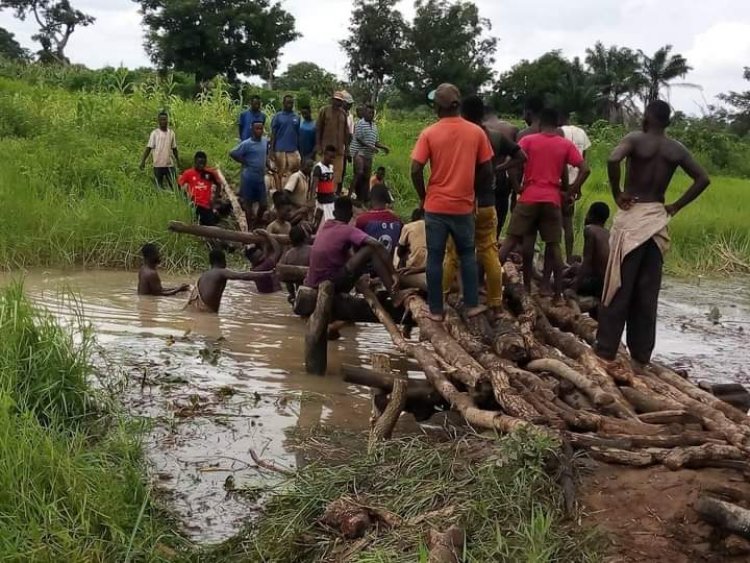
{"type": "Point", "coordinates": [365, 143]}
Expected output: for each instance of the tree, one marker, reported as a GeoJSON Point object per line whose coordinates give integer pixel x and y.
{"type": "Point", "coordinates": [740, 101]}
{"type": "Point", "coordinates": [659, 70]}
{"type": "Point", "coordinates": [307, 76]}
{"type": "Point", "coordinates": [446, 43]}
{"type": "Point", "coordinates": [615, 74]}
{"type": "Point", "coordinates": [375, 43]}
{"type": "Point", "coordinates": [576, 93]}
{"type": "Point", "coordinates": [211, 37]}
{"type": "Point", "coordinates": [10, 49]}
{"type": "Point", "coordinates": [57, 21]}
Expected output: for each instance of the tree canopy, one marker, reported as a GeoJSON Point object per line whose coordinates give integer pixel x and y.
{"type": "Point", "coordinates": [658, 70]}
{"type": "Point", "coordinates": [10, 49]}
{"type": "Point", "coordinates": [740, 103]}
{"type": "Point", "coordinates": [307, 76]}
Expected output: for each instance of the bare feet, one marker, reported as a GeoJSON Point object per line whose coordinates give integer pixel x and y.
{"type": "Point", "coordinates": [475, 311]}
{"type": "Point", "coordinates": [437, 317]}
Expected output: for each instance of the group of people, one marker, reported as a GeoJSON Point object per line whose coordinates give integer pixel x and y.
{"type": "Point", "coordinates": [480, 169]}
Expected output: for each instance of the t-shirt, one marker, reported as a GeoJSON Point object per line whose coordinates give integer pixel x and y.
{"type": "Point", "coordinates": [332, 126]}
{"type": "Point", "coordinates": [365, 136]}
{"type": "Point", "coordinates": [547, 154]}
{"type": "Point", "coordinates": [331, 250]}
{"type": "Point", "coordinates": [307, 138]}
{"type": "Point", "coordinates": [502, 148]}
{"type": "Point", "coordinates": [580, 139]}
{"type": "Point", "coordinates": [326, 191]}
{"type": "Point", "coordinates": [414, 236]}
{"type": "Point", "coordinates": [200, 185]}
{"type": "Point", "coordinates": [285, 127]}
{"type": "Point", "coordinates": [162, 143]}
{"type": "Point", "coordinates": [453, 147]}
{"type": "Point", "coordinates": [297, 186]}
{"type": "Point", "coordinates": [269, 283]}
{"type": "Point", "coordinates": [382, 225]}
{"type": "Point", "coordinates": [247, 118]}
{"type": "Point", "coordinates": [253, 155]}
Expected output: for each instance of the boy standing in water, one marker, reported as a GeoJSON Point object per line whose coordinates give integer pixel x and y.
{"type": "Point", "coordinates": [149, 281]}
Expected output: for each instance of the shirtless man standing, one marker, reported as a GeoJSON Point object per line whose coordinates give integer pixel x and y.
{"type": "Point", "coordinates": [639, 235]}
{"type": "Point", "coordinates": [149, 281]}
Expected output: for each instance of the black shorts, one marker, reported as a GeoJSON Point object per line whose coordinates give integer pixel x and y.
{"type": "Point", "coordinates": [591, 286]}
{"type": "Point", "coordinates": [530, 218]}
{"type": "Point", "coordinates": [344, 281]}
{"type": "Point", "coordinates": [568, 208]}
{"type": "Point", "coordinates": [206, 217]}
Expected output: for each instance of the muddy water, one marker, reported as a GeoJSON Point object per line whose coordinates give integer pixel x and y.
{"type": "Point", "coordinates": [214, 387]}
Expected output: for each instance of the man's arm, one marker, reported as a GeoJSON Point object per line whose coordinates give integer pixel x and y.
{"type": "Point", "coordinates": [153, 282]}
{"type": "Point", "coordinates": [587, 267]}
{"type": "Point", "coordinates": [620, 153]}
{"type": "Point", "coordinates": [236, 154]}
{"type": "Point", "coordinates": [517, 160]}
{"type": "Point", "coordinates": [417, 180]}
{"type": "Point", "coordinates": [146, 152]}
{"type": "Point", "coordinates": [272, 247]}
{"type": "Point", "coordinates": [245, 276]}
{"type": "Point", "coordinates": [484, 175]}
{"type": "Point", "coordinates": [700, 182]}
{"type": "Point", "coordinates": [584, 171]}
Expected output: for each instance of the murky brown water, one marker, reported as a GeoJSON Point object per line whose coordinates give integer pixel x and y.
{"type": "Point", "coordinates": [216, 386]}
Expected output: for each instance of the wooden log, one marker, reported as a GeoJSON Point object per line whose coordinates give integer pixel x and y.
{"type": "Point", "coordinates": [291, 274]}
{"type": "Point", "coordinates": [678, 416]}
{"type": "Point", "coordinates": [648, 402]}
{"type": "Point", "coordinates": [316, 338]}
{"type": "Point", "coordinates": [734, 494]}
{"type": "Point", "coordinates": [419, 391]}
{"type": "Point", "coordinates": [729, 517]}
{"type": "Point", "coordinates": [705, 455]}
{"type": "Point", "coordinates": [216, 233]}
{"type": "Point", "coordinates": [507, 341]}
{"type": "Point", "coordinates": [569, 320]}
{"type": "Point", "coordinates": [527, 313]}
{"type": "Point", "coordinates": [239, 214]}
{"type": "Point", "coordinates": [591, 390]}
{"type": "Point", "coordinates": [638, 458]}
{"type": "Point", "coordinates": [445, 547]}
{"type": "Point", "coordinates": [383, 428]}
{"type": "Point", "coordinates": [566, 476]}
{"type": "Point", "coordinates": [345, 306]}
{"type": "Point", "coordinates": [632, 442]}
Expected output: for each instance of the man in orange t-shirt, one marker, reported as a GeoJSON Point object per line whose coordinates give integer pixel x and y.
{"type": "Point", "coordinates": [460, 157]}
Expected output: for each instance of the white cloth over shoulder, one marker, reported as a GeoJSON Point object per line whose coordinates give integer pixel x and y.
{"type": "Point", "coordinates": [630, 229]}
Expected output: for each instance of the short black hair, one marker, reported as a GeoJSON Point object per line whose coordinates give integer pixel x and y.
{"type": "Point", "coordinates": [200, 154]}
{"type": "Point", "coordinates": [217, 258]}
{"type": "Point", "coordinates": [417, 214]}
{"type": "Point", "coordinates": [281, 198]}
{"type": "Point", "coordinates": [163, 113]}
{"type": "Point", "coordinates": [548, 117]}
{"type": "Point", "coordinates": [330, 148]}
{"type": "Point", "coordinates": [533, 104]}
{"type": "Point", "coordinates": [149, 251]}
{"type": "Point", "coordinates": [472, 108]}
{"type": "Point", "coordinates": [599, 212]}
{"type": "Point", "coordinates": [660, 111]}
{"type": "Point", "coordinates": [255, 97]}
{"type": "Point", "coordinates": [288, 97]}
{"type": "Point", "coordinates": [297, 235]}
{"type": "Point", "coordinates": [380, 194]}
{"type": "Point", "coordinates": [379, 168]}
{"type": "Point", "coordinates": [343, 205]}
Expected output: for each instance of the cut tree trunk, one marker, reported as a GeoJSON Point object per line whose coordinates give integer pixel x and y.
{"type": "Point", "coordinates": [590, 389]}
{"type": "Point", "coordinates": [729, 517]}
{"type": "Point", "coordinates": [216, 233]}
{"type": "Point", "coordinates": [316, 339]}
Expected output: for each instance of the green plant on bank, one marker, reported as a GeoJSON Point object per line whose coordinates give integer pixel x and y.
{"type": "Point", "coordinates": [497, 490]}
{"type": "Point", "coordinates": [72, 479]}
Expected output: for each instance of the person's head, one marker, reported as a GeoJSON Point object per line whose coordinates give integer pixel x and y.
{"type": "Point", "coordinates": [329, 155]}
{"type": "Point", "coordinates": [255, 102]}
{"type": "Point", "coordinates": [380, 173]}
{"type": "Point", "coordinates": [288, 102]}
{"type": "Point", "coordinates": [368, 112]}
{"type": "Point", "coordinates": [417, 214]}
{"type": "Point", "coordinates": [306, 113]}
{"type": "Point", "coordinates": [657, 116]}
{"type": "Point", "coordinates": [200, 160]}
{"type": "Point", "coordinates": [472, 109]}
{"type": "Point", "coordinates": [532, 109]}
{"type": "Point", "coordinates": [337, 101]}
{"type": "Point", "coordinates": [597, 214]}
{"type": "Point", "coordinates": [563, 118]}
{"type": "Point", "coordinates": [343, 210]}
{"type": "Point", "coordinates": [548, 119]}
{"type": "Point", "coordinates": [257, 130]}
{"type": "Point", "coordinates": [379, 197]}
{"type": "Point", "coordinates": [151, 255]}
{"type": "Point", "coordinates": [217, 258]}
{"type": "Point", "coordinates": [297, 236]}
{"type": "Point", "coordinates": [163, 120]}
{"type": "Point", "coordinates": [348, 100]}
{"type": "Point", "coordinates": [283, 206]}
{"type": "Point", "coordinates": [254, 254]}
{"type": "Point", "coordinates": [447, 100]}
{"type": "Point", "coordinates": [307, 166]}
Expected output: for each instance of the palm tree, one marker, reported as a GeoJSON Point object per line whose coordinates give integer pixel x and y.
{"type": "Point", "coordinates": [659, 70]}
{"type": "Point", "coordinates": [576, 92]}
{"type": "Point", "coordinates": [615, 75]}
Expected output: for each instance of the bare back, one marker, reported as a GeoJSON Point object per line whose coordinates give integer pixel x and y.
{"type": "Point", "coordinates": [211, 287]}
{"type": "Point", "coordinates": [149, 282]}
{"type": "Point", "coordinates": [652, 161]}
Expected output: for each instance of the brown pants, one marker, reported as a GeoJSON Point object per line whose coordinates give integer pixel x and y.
{"type": "Point", "coordinates": [634, 304]}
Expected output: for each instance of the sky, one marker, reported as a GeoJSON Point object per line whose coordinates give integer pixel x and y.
{"type": "Point", "coordinates": [714, 35]}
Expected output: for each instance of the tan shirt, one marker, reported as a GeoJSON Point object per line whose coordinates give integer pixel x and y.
{"type": "Point", "coordinates": [334, 128]}
{"type": "Point", "coordinates": [161, 144]}
{"type": "Point", "coordinates": [414, 236]}
{"type": "Point", "coordinates": [297, 186]}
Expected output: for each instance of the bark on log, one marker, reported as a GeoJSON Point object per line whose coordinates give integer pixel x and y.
{"type": "Point", "coordinates": [701, 456]}
{"type": "Point", "coordinates": [527, 312]}
{"type": "Point", "coordinates": [638, 458]}
{"type": "Point", "coordinates": [291, 274]}
{"type": "Point", "coordinates": [591, 390]}
{"type": "Point", "coordinates": [383, 428]}
{"type": "Point", "coordinates": [729, 517]}
{"type": "Point", "coordinates": [217, 233]}
{"type": "Point", "coordinates": [733, 493]}
{"type": "Point", "coordinates": [445, 547]}
{"type": "Point", "coordinates": [648, 402]}
{"type": "Point", "coordinates": [419, 392]}
{"type": "Point", "coordinates": [633, 442]}
{"type": "Point", "coordinates": [569, 320]}
{"type": "Point", "coordinates": [316, 338]}
{"type": "Point", "coordinates": [678, 416]}
{"type": "Point", "coordinates": [239, 214]}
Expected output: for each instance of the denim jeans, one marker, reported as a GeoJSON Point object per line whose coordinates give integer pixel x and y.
{"type": "Point", "coordinates": [439, 227]}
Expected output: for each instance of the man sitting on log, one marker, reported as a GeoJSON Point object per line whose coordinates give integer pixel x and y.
{"type": "Point", "coordinates": [639, 236]}
{"type": "Point", "coordinates": [588, 277]}
{"type": "Point", "coordinates": [379, 222]}
{"type": "Point", "coordinates": [342, 253]}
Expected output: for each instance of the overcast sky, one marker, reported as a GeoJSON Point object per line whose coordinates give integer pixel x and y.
{"type": "Point", "coordinates": [714, 35]}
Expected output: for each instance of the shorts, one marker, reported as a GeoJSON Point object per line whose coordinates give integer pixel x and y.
{"type": "Point", "coordinates": [326, 208]}
{"type": "Point", "coordinates": [338, 169]}
{"type": "Point", "coordinates": [253, 190]}
{"type": "Point", "coordinates": [285, 162]}
{"type": "Point", "coordinates": [206, 216]}
{"type": "Point", "coordinates": [528, 218]}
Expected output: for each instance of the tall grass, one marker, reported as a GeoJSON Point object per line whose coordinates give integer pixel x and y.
{"type": "Point", "coordinates": [71, 476]}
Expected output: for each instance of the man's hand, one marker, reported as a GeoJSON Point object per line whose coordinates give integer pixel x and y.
{"type": "Point", "coordinates": [625, 200]}
{"type": "Point", "coordinates": [671, 209]}
{"type": "Point", "coordinates": [142, 165]}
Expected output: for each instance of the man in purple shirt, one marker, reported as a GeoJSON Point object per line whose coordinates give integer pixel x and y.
{"type": "Point", "coordinates": [342, 253]}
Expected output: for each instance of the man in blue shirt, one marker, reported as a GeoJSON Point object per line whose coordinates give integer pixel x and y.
{"type": "Point", "coordinates": [253, 155]}
{"type": "Point", "coordinates": [307, 134]}
{"type": "Point", "coordinates": [250, 116]}
{"type": "Point", "coordinates": [285, 140]}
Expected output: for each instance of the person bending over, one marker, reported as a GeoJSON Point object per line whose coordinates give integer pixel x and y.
{"type": "Point", "coordinates": [412, 245]}
{"type": "Point", "coordinates": [342, 253]}
{"type": "Point", "coordinates": [207, 293]}
{"type": "Point", "coordinates": [149, 281]}
{"type": "Point", "coordinates": [264, 259]}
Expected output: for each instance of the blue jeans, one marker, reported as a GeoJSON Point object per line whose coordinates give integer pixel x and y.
{"type": "Point", "coordinates": [439, 227]}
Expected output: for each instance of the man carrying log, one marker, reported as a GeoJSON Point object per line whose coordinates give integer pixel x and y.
{"type": "Point", "coordinates": [639, 235]}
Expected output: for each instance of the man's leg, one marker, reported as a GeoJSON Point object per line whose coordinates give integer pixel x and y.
{"type": "Point", "coordinates": [450, 266]}
{"type": "Point", "coordinates": [436, 229]}
{"type": "Point", "coordinates": [367, 256]}
{"type": "Point", "coordinates": [550, 229]}
{"type": "Point", "coordinates": [553, 257]}
{"type": "Point", "coordinates": [486, 243]}
{"type": "Point", "coordinates": [462, 230]}
{"type": "Point", "coordinates": [612, 318]}
{"type": "Point", "coordinates": [357, 185]}
{"type": "Point", "coordinates": [159, 177]}
{"type": "Point", "coordinates": [641, 335]}
{"type": "Point", "coordinates": [527, 255]}
{"type": "Point", "coordinates": [568, 212]}
{"type": "Point", "coordinates": [502, 202]}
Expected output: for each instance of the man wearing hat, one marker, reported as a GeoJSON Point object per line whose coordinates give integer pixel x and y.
{"type": "Point", "coordinates": [332, 129]}
{"type": "Point", "coordinates": [460, 157]}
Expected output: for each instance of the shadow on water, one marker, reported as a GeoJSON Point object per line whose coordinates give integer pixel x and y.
{"type": "Point", "coordinates": [215, 387]}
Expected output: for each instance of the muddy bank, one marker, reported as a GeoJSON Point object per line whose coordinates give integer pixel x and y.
{"type": "Point", "coordinates": [215, 387]}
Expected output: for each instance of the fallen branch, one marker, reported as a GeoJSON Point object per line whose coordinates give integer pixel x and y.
{"type": "Point", "coordinates": [729, 517]}
{"type": "Point", "coordinates": [271, 466]}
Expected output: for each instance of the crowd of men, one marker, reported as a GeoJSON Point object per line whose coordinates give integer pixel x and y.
{"type": "Point", "coordinates": [481, 169]}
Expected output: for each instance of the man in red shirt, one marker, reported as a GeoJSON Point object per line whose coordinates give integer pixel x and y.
{"type": "Point", "coordinates": [540, 202]}
{"type": "Point", "coordinates": [460, 157]}
{"type": "Point", "coordinates": [200, 183]}
{"type": "Point", "coordinates": [379, 222]}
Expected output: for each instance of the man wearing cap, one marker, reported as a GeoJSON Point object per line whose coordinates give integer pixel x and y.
{"type": "Point", "coordinates": [332, 129]}
{"type": "Point", "coordinates": [460, 157]}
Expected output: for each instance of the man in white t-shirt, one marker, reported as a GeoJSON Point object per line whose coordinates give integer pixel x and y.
{"type": "Point", "coordinates": [163, 145]}
{"type": "Point", "coordinates": [580, 139]}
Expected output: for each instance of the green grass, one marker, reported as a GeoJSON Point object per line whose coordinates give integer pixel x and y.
{"type": "Point", "coordinates": [72, 480]}
{"type": "Point", "coordinates": [499, 492]}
